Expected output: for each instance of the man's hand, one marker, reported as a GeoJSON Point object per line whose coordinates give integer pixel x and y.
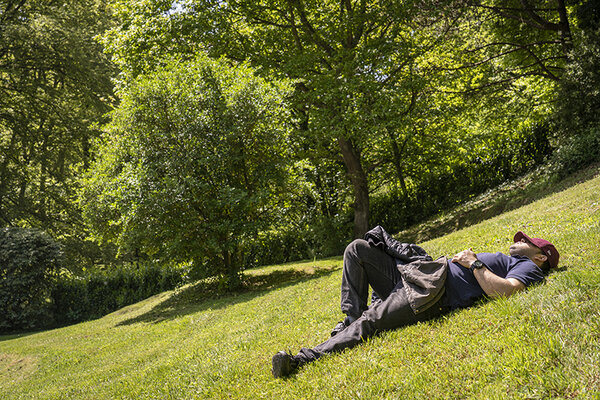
{"type": "Point", "coordinates": [465, 258]}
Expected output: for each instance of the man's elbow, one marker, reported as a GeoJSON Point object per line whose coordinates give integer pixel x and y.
{"type": "Point", "coordinates": [510, 287]}
{"type": "Point", "coordinates": [513, 286]}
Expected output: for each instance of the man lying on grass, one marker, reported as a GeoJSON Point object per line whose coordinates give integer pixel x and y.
{"type": "Point", "coordinates": [408, 286]}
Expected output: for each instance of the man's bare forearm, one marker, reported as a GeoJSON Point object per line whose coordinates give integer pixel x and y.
{"type": "Point", "coordinates": [492, 285]}
{"type": "Point", "coordinates": [495, 286]}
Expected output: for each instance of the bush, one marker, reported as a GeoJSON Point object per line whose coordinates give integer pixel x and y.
{"type": "Point", "coordinates": [321, 237]}
{"type": "Point", "coordinates": [191, 165]}
{"type": "Point", "coordinates": [80, 298]}
{"type": "Point", "coordinates": [578, 151]}
{"type": "Point", "coordinates": [29, 263]}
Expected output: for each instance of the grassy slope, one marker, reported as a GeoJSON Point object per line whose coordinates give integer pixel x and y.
{"type": "Point", "coordinates": [191, 343]}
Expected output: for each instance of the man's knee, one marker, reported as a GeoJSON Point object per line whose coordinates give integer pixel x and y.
{"type": "Point", "coordinates": [356, 248]}
{"type": "Point", "coordinates": [368, 324]}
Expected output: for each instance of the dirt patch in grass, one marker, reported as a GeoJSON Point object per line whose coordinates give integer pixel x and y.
{"type": "Point", "coordinates": [15, 368]}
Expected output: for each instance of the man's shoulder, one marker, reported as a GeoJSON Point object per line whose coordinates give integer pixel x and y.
{"type": "Point", "coordinates": [493, 256]}
{"type": "Point", "coordinates": [501, 256]}
{"type": "Point", "coordinates": [506, 261]}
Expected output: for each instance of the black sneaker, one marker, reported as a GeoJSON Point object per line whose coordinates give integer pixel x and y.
{"type": "Point", "coordinates": [339, 327]}
{"type": "Point", "coordinates": [342, 325]}
{"type": "Point", "coordinates": [283, 364]}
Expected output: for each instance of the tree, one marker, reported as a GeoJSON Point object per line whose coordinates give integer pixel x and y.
{"type": "Point", "coordinates": [353, 61]}
{"type": "Point", "coordinates": [516, 39]}
{"type": "Point", "coordinates": [397, 91]}
{"type": "Point", "coordinates": [191, 166]}
{"type": "Point", "coordinates": [55, 82]}
{"type": "Point", "coordinates": [579, 99]}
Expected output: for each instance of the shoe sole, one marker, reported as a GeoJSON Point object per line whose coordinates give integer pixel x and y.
{"type": "Point", "coordinates": [281, 365]}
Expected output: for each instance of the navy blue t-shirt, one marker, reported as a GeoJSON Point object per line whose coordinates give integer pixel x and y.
{"type": "Point", "coordinates": [462, 288]}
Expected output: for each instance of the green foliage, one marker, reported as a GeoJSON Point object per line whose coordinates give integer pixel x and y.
{"type": "Point", "coordinates": [579, 94]}
{"type": "Point", "coordinates": [29, 264]}
{"type": "Point", "coordinates": [319, 237]}
{"type": "Point", "coordinates": [458, 182]}
{"type": "Point", "coordinates": [191, 166]}
{"type": "Point", "coordinates": [510, 39]}
{"type": "Point", "coordinates": [576, 111]}
{"type": "Point", "coordinates": [36, 292]}
{"type": "Point", "coordinates": [314, 221]}
{"type": "Point", "coordinates": [55, 83]}
{"type": "Point", "coordinates": [357, 68]}
{"type": "Point", "coordinates": [578, 151]}
{"type": "Point", "coordinates": [588, 16]}
{"type": "Point", "coordinates": [96, 293]}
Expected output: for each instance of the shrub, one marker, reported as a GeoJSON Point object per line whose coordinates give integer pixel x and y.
{"type": "Point", "coordinates": [321, 237]}
{"type": "Point", "coordinates": [99, 292]}
{"type": "Point", "coordinates": [579, 151]}
{"type": "Point", "coordinates": [29, 263]}
{"type": "Point", "coordinates": [443, 190]}
{"type": "Point", "coordinates": [192, 164]}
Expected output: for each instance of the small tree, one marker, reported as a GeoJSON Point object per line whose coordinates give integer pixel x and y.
{"type": "Point", "coordinates": [29, 259]}
{"type": "Point", "coordinates": [191, 166]}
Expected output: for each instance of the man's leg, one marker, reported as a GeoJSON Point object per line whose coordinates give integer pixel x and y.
{"type": "Point", "coordinates": [392, 313]}
{"type": "Point", "coordinates": [365, 265]}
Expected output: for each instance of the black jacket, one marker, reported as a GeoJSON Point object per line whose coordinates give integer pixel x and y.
{"type": "Point", "coordinates": [405, 252]}
{"type": "Point", "coordinates": [423, 278]}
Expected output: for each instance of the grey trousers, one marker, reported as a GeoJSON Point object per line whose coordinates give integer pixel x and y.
{"type": "Point", "coordinates": [363, 266]}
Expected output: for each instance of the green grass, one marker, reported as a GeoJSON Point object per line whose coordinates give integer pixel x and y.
{"type": "Point", "coordinates": [197, 343]}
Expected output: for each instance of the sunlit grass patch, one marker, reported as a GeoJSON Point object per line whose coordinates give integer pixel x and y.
{"type": "Point", "coordinates": [197, 342]}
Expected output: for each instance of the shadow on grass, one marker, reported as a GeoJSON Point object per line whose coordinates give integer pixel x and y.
{"type": "Point", "coordinates": [207, 293]}
{"type": "Point", "coordinates": [11, 336]}
{"type": "Point", "coordinates": [556, 270]}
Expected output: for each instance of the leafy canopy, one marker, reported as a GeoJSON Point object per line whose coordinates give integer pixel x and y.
{"type": "Point", "coordinates": [191, 164]}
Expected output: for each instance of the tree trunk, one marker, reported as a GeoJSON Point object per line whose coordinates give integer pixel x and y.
{"type": "Point", "coordinates": [398, 162]}
{"type": "Point", "coordinates": [359, 185]}
{"type": "Point", "coordinates": [565, 31]}
{"type": "Point", "coordinates": [231, 279]}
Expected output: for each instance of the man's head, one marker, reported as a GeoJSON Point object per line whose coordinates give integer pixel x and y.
{"type": "Point", "coordinates": [540, 251]}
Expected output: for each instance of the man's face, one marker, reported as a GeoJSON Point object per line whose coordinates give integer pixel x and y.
{"type": "Point", "coordinates": [524, 248]}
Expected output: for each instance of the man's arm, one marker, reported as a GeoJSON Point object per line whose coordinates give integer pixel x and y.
{"type": "Point", "coordinates": [492, 284]}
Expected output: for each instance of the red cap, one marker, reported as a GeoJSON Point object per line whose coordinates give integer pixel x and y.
{"type": "Point", "coordinates": [547, 248]}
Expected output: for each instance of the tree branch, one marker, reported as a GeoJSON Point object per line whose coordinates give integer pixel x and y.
{"type": "Point", "coordinates": [536, 21]}
{"type": "Point", "coordinates": [361, 26]}
{"type": "Point", "coordinates": [309, 29]}
{"type": "Point", "coordinates": [494, 83]}
{"type": "Point", "coordinates": [517, 47]}
{"type": "Point", "coordinates": [295, 34]}
{"type": "Point", "coordinates": [346, 5]}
